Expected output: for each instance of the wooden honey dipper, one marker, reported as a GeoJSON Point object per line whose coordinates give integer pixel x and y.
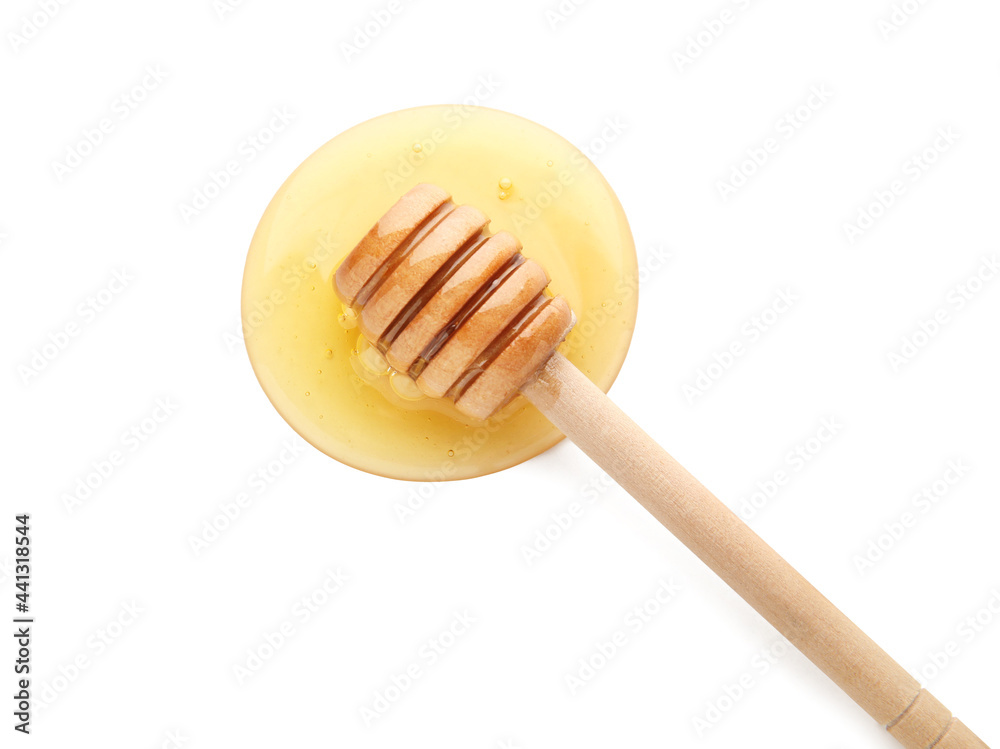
{"type": "Point", "coordinates": [466, 316]}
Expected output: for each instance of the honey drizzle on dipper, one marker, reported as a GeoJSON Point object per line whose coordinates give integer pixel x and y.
{"type": "Point", "coordinates": [420, 233]}
{"type": "Point", "coordinates": [446, 302]}
{"type": "Point", "coordinates": [478, 300]}
{"type": "Point", "coordinates": [432, 287]}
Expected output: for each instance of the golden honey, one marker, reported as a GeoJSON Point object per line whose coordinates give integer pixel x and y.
{"type": "Point", "coordinates": [335, 389]}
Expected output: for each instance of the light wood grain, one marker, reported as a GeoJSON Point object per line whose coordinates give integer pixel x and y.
{"type": "Point", "coordinates": [498, 336]}
{"type": "Point", "coordinates": [743, 560]}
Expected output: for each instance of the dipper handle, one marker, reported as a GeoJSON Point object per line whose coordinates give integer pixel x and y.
{"type": "Point", "coordinates": [744, 561]}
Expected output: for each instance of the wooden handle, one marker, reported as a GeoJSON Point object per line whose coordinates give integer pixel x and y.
{"type": "Point", "coordinates": [741, 558]}
{"type": "Point", "coordinates": [464, 314]}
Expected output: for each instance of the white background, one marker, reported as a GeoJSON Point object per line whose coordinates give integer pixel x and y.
{"type": "Point", "coordinates": [169, 334]}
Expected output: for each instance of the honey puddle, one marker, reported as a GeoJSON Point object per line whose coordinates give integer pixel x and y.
{"type": "Point", "coordinates": [334, 388]}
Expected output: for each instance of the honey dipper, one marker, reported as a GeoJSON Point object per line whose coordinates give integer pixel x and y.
{"type": "Point", "coordinates": [466, 316]}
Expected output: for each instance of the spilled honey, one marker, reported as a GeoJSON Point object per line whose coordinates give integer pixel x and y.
{"type": "Point", "coordinates": [337, 390]}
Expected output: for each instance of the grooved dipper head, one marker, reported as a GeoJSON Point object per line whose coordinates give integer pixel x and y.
{"type": "Point", "coordinates": [460, 311]}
